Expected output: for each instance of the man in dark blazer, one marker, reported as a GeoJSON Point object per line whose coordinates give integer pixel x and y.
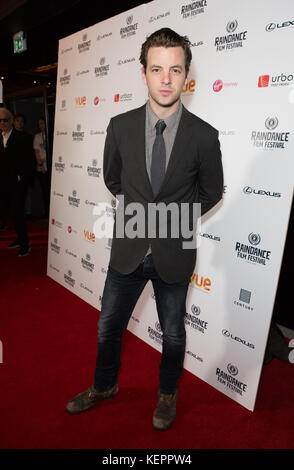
{"type": "Point", "coordinates": [159, 155]}
{"type": "Point", "coordinates": [16, 168]}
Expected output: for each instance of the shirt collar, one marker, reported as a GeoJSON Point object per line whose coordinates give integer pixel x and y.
{"type": "Point", "coordinates": [170, 121]}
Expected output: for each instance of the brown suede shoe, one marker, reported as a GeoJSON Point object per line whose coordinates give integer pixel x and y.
{"type": "Point", "coordinates": [86, 400]}
{"type": "Point", "coordinates": [165, 411]}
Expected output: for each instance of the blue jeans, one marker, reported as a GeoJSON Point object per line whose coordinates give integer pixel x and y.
{"type": "Point", "coordinates": [121, 292]}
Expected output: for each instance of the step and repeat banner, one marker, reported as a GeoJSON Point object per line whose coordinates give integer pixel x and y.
{"type": "Point", "coordinates": [241, 82]}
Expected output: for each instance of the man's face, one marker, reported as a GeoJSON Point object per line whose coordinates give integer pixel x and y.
{"type": "Point", "coordinates": [18, 123]}
{"type": "Point", "coordinates": [165, 76]}
{"type": "Point", "coordinates": [5, 126]}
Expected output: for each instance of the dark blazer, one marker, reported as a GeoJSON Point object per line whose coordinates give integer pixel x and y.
{"type": "Point", "coordinates": [16, 159]}
{"type": "Point", "coordinates": [194, 174]}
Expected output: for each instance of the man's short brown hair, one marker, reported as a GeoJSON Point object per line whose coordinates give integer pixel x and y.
{"type": "Point", "coordinates": [166, 37]}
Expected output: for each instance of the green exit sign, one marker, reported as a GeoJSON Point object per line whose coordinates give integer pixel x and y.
{"type": "Point", "coordinates": [19, 42]}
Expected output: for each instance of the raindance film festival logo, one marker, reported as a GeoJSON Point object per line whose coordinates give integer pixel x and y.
{"type": "Point", "coordinates": [272, 138]}
{"type": "Point", "coordinates": [155, 333]}
{"type": "Point", "coordinates": [229, 381]}
{"type": "Point", "coordinates": [130, 29]}
{"type": "Point", "coordinates": [232, 40]}
{"type": "Point", "coordinates": [85, 44]}
{"type": "Point", "coordinates": [54, 246]}
{"type": "Point", "coordinates": [93, 170]}
{"type": "Point", "coordinates": [192, 9]}
{"type": "Point", "coordinates": [194, 321]}
{"type": "Point", "coordinates": [73, 200]}
{"type": "Point", "coordinates": [69, 279]}
{"type": "Point", "coordinates": [65, 78]}
{"type": "Point", "coordinates": [78, 135]}
{"type": "Point", "coordinates": [103, 69]}
{"type": "Point", "coordinates": [251, 253]}
{"type": "Point", "coordinates": [59, 165]}
{"type": "Point", "coordinates": [86, 263]}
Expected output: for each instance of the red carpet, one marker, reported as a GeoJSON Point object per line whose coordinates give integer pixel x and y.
{"type": "Point", "coordinates": [49, 349]}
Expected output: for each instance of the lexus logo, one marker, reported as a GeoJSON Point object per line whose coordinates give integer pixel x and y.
{"type": "Point", "coordinates": [247, 190]}
{"type": "Point", "coordinates": [270, 27]}
{"type": "Point", "coordinates": [226, 333]}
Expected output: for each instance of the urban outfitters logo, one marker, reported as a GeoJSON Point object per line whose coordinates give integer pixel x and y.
{"type": "Point", "coordinates": [265, 81]}
{"type": "Point", "coordinates": [231, 40]}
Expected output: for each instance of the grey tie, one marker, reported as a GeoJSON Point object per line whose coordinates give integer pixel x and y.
{"type": "Point", "coordinates": [158, 158]}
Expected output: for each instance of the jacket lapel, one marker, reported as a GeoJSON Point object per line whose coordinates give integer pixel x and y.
{"type": "Point", "coordinates": [140, 149]}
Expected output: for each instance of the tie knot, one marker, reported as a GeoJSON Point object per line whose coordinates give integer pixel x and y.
{"type": "Point", "coordinates": [160, 126]}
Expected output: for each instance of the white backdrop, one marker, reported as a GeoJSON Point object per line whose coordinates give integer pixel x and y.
{"type": "Point", "coordinates": [242, 83]}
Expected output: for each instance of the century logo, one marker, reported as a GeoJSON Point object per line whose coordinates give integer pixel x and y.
{"type": "Point", "coordinates": [244, 299]}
